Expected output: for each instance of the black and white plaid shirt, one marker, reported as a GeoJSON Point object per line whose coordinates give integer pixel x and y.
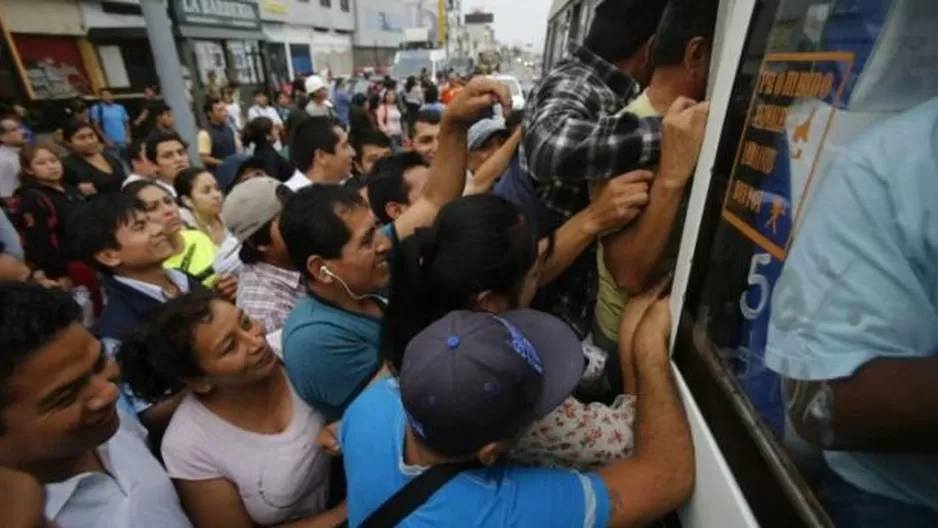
{"type": "Point", "coordinates": [575, 132]}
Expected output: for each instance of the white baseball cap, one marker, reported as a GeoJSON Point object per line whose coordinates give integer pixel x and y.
{"type": "Point", "coordinates": [314, 83]}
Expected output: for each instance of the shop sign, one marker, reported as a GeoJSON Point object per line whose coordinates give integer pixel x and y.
{"type": "Point", "coordinates": [275, 7]}
{"type": "Point", "coordinates": [790, 114]}
{"type": "Point", "coordinates": [52, 66]}
{"type": "Point", "coordinates": [237, 14]}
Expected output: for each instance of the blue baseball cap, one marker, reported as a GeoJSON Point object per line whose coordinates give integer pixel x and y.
{"type": "Point", "coordinates": [472, 378]}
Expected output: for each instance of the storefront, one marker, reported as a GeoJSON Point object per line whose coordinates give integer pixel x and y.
{"type": "Point", "coordinates": [332, 52]}
{"type": "Point", "coordinates": [292, 44]}
{"type": "Point", "coordinates": [45, 61]}
{"type": "Point", "coordinates": [118, 33]}
{"type": "Point", "coordinates": [221, 45]}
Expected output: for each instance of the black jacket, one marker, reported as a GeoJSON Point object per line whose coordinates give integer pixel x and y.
{"type": "Point", "coordinates": [127, 308]}
{"type": "Point", "coordinates": [45, 214]}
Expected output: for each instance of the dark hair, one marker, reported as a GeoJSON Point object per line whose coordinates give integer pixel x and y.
{"type": "Point", "coordinates": [410, 83]}
{"type": "Point", "coordinates": [310, 135]}
{"type": "Point", "coordinates": [355, 183]}
{"type": "Point", "coordinates": [369, 136]}
{"type": "Point", "coordinates": [101, 218]}
{"type": "Point", "coordinates": [374, 101]}
{"type": "Point", "coordinates": [431, 94]}
{"type": "Point", "coordinates": [620, 28]}
{"type": "Point", "coordinates": [430, 117]}
{"type": "Point", "coordinates": [158, 137]}
{"type": "Point", "coordinates": [477, 243]}
{"type": "Point", "coordinates": [386, 181]}
{"type": "Point", "coordinates": [138, 149]}
{"type": "Point", "coordinates": [294, 118]}
{"type": "Point", "coordinates": [156, 359]}
{"type": "Point", "coordinates": [158, 107]}
{"type": "Point", "coordinates": [72, 126]}
{"type": "Point", "coordinates": [311, 222]}
{"type": "Point", "coordinates": [256, 131]}
{"type": "Point", "coordinates": [76, 106]}
{"type": "Point", "coordinates": [359, 99]}
{"type": "Point", "coordinates": [250, 252]}
{"type": "Point", "coordinates": [261, 91]}
{"type": "Point", "coordinates": [184, 181]}
{"type": "Point", "coordinates": [209, 104]}
{"type": "Point", "coordinates": [133, 188]}
{"type": "Point", "coordinates": [682, 21]}
{"type": "Point", "coordinates": [31, 317]}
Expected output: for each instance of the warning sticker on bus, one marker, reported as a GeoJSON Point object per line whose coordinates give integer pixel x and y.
{"type": "Point", "coordinates": [789, 117]}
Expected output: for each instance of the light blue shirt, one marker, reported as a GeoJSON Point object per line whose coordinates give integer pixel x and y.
{"type": "Point", "coordinates": [372, 437]}
{"type": "Point", "coordinates": [112, 119]}
{"type": "Point", "coordinates": [135, 491]}
{"type": "Point", "coordinates": [861, 282]}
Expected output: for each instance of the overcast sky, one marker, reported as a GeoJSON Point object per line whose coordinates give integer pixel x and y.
{"type": "Point", "coordinates": [516, 21]}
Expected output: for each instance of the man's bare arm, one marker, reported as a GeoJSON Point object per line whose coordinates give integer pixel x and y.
{"type": "Point", "coordinates": [889, 405]}
{"type": "Point", "coordinates": [660, 475]}
{"type": "Point", "coordinates": [631, 255]}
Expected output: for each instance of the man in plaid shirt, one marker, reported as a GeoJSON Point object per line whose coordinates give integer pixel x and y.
{"type": "Point", "coordinates": [575, 133]}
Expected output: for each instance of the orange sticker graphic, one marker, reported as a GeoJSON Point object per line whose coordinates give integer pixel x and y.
{"type": "Point", "coordinates": [790, 114]}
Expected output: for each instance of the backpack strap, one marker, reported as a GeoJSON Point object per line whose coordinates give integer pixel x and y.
{"type": "Point", "coordinates": [412, 496]}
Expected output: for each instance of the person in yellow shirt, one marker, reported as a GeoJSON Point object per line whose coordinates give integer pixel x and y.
{"type": "Point", "coordinates": [634, 259]}
{"type": "Point", "coordinates": [193, 251]}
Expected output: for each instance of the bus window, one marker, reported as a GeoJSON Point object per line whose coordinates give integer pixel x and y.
{"type": "Point", "coordinates": [813, 296]}
{"type": "Point", "coordinates": [573, 34]}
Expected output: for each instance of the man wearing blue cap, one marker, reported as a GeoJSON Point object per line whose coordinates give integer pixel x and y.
{"type": "Point", "coordinates": [422, 450]}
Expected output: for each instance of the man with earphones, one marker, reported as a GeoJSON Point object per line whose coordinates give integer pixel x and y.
{"type": "Point", "coordinates": [330, 340]}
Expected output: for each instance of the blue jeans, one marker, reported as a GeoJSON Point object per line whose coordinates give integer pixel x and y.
{"type": "Point", "coordinates": [849, 506]}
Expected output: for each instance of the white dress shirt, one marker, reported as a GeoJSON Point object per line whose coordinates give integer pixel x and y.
{"type": "Point", "coordinates": [134, 491]}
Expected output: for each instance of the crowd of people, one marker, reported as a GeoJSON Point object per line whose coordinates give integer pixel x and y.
{"type": "Point", "coordinates": [381, 310]}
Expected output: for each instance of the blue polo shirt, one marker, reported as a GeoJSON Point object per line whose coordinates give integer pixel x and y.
{"type": "Point", "coordinates": [860, 283]}
{"type": "Point", "coordinates": [372, 440]}
{"type": "Point", "coordinates": [331, 354]}
{"type": "Point", "coordinates": [113, 119]}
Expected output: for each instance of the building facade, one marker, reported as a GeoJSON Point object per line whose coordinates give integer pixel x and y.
{"type": "Point", "coordinates": [479, 34]}
{"type": "Point", "coordinates": [379, 29]}
{"type": "Point", "coordinates": [309, 36]}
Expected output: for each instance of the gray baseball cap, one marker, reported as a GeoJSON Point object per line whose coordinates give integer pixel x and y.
{"type": "Point", "coordinates": [251, 205]}
{"type": "Point", "coordinates": [484, 129]}
{"type": "Point", "coordinates": [473, 378]}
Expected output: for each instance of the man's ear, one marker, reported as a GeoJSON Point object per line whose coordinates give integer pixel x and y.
{"type": "Point", "coordinates": [490, 302]}
{"type": "Point", "coordinates": [109, 258]}
{"type": "Point", "coordinates": [697, 55]}
{"type": "Point", "coordinates": [394, 210]}
{"type": "Point", "coordinates": [490, 453]}
{"type": "Point", "coordinates": [315, 268]}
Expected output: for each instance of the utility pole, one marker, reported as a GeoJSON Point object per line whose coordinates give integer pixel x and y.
{"type": "Point", "coordinates": [166, 59]}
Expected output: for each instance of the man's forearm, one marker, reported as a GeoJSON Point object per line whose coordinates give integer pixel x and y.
{"type": "Point", "coordinates": [448, 172]}
{"type": "Point", "coordinates": [570, 241]}
{"type": "Point", "coordinates": [889, 405]}
{"type": "Point", "coordinates": [660, 474]}
{"type": "Point", "coordinates": [632, 254]}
